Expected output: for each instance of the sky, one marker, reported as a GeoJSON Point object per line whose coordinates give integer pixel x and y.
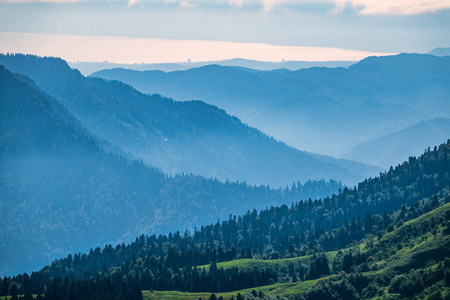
{"type": "Point", "coordinates": [149, 31]}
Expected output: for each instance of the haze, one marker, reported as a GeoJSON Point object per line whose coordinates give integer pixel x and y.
{"type": "Point", "coordinates": [176, 31]}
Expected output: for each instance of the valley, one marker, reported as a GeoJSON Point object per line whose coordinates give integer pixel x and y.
{"type": "Point", "coordinates": [397, 249]}
{"type": "Point", "coordinates": [111, 193]}
{"type": "Point", "coordinates": [322, 110]}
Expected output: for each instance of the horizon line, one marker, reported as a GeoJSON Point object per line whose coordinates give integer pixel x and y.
{"type": "Point", "coordinates": [127, 50]}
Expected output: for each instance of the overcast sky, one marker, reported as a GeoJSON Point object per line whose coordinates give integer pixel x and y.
{"type": "Point", "coordinates": [373, 26]}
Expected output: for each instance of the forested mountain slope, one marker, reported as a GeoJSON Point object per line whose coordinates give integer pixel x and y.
{"type": "Point", "coordinates": [179, 137]}
{"type": "Point", "coordinates": [385, 228]}
{"type": "Point", "coordinates": [408, 260]}
{"type": "Point", "coordinates": [320, 110]}
{"type": "Point", "coordinates": [61, 192]}
{"type": "Point", "coordinates": [411, 141]}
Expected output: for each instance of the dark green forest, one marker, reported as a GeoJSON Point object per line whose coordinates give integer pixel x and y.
{"type": "Point", "coordinates": [388, 236]}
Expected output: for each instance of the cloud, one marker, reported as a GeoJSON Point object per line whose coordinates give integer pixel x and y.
{"type": "Point", "coordinates": [393, 7]}
{"type": "Point", "coordinates": [185, 3]}
{"type": "Point", "coordinates": [363, 7]}
{"type": "Point", "coordinates": [269, 4]}
{"type": "Point", "coordinates": [132, 2]}
{"type": "Point", "coordinates": [170, 3]}
{"type": "Point", "coordinates": [237, 3]}
{"type": "Point", "coordinates": [295, 5]}
{"type": "Point", "coordinates": [43, 1]}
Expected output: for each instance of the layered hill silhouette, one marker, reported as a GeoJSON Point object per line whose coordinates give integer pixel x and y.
{"type": "Point", "coordinates": [65, 189]}
{"type": "Point", "coordinates": [411, 141]}
{"type": "Point", "coordinates": [322, 110]}
{"type": "Point", "coordinates": [87, 68]}
{"type": "Point", "coordinates": [61, 191]}
{"type": "Point", "coordinates": [179, 137]}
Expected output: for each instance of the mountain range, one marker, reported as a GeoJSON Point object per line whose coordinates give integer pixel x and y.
{"type": "Point", "coordinates": [84, 162]}
{"type": "Point", "coordinates": [388, 238]}
{"type": "Point", "coordinates": [63, 190]}
{"type": "Point", "coordinates": [179, 137]}
{"type": "Point", "coordinates": [411, 141]}
{"type": "Point", "coordinates": [87, 68]}
{"type": "Point", "coordinates": [323, 110]}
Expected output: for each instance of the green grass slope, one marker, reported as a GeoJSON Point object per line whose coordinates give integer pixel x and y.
{"type": "Point", "coordinates": [249, 264]}
{"type": "Point", "coordinates": [284, 289]}
{"type": "Point", "coordinates": [404, 252]}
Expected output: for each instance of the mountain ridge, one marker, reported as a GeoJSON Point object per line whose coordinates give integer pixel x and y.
{"type": "Point", "coordinates": [392, 232]}
{"type": "Point", "coordinates": [87, 68]}
{"type": "Point", "coordinates": [389, 150]}
{"type": "Point", "coordinates": [63, 192]}
{"type": "Point", "coordinates": [322, 110]}
{"type": "Point", "coordinates": [442, 51]}
{"type": "Point", "coordinates": [180, 137]}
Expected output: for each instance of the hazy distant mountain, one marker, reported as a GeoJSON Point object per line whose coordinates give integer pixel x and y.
{"type": "Point", "coordinates": [60, 192]}
{"type": "Point", "coordinates": [440, 52]}
{"type": "Point", "coordinates": [176, 137]}
{"type": "Point", "coordinates": [392, 149]}
{"type": "Point", "coordinates": [320, 110]}
{"type": "Point", "coordinates": [87, 68]}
